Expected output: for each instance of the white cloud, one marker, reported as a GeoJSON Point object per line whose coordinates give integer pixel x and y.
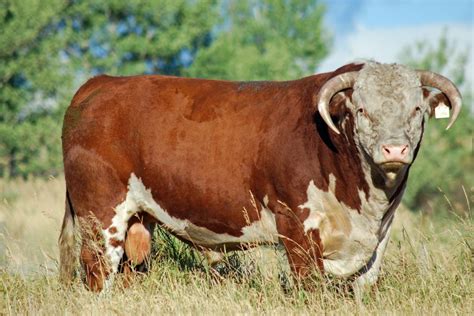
{"type": "Point", "coordinates": [385, 44]}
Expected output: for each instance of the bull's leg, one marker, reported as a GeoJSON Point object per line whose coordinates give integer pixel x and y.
{"type": "Point", "coordinates": [97, 195]}
{"type": "Point", "coordinates": [303, 249]}
{"type": "Point", "coordinates": [215, 260]}
{"type": "Point", "coordinates": [213, 257]}
{"type": "Point", "coordinates": [114, 237]}
{"type": "Point", "coordinates": [370, 273]}
{"type": "Point", "coordinates": [92, 256]}
{"type": "Point", "coordinates": [115, 234]}
{"type": "Point", "coordinates": [101, 252]}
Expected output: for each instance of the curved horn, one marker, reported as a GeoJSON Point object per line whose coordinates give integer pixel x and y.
{"type": "Point", "coordinates": [443, 84]}
{"type": "Point", "coordinates": [328, 90]}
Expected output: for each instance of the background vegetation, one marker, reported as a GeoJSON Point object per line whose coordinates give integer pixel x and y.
{"type": "Point", "coordinates": [49, 48]}
{"type": "Point", "coordinates": [442, 177]}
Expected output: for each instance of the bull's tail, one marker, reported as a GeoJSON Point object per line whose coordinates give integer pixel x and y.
{"type": "Point", "coordinates": [67, 244]}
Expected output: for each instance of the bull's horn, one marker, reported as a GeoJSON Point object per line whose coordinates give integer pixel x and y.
{"type": "Point", "coordinates": [431, 79]}
{"type": "Point", "coordinates": [329, 89]}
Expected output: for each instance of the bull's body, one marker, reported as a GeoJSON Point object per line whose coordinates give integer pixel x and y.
{"type": "Point", "coordinates": [221, 165]}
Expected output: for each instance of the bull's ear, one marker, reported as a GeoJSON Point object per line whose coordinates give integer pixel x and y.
{"type": "Point", "coordinates": [435, 99]}
{"type": "Point", "coordinates": [338, 107]}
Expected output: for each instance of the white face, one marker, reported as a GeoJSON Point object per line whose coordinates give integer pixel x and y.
{"type": "Point", "coordinates": [388, 108]}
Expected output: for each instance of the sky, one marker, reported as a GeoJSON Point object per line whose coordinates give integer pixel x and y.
{"type": "Point", "coordinates": [380, 29]}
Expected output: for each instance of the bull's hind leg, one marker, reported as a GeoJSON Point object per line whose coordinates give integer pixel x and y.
{"type": "Point", "coordinates": [135, 240]}
{"type": "Point", "coordinates": [99, 198]}
{"type": "Point", "coordinates": [92, 257]}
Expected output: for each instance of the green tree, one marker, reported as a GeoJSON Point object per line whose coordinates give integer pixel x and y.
{"type": "Point", "coordinates": [443, 175]}
{"type": "Point", "coordinates": [139, 36]}
{"type": "Point", "coordinates": [49, 47]}
{"type": "Point", "coordinates": [262, 39]}
{"type": "Point", "coordinates": [31, 77]}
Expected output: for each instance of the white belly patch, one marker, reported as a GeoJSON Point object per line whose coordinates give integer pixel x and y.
{"type": "Point", "coordinates": [139, 198]}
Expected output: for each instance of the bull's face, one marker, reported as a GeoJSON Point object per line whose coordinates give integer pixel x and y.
{"type": "Point", "coordinates": [389, 110]}
{"type": "Point", "coordinates": [388, 107]}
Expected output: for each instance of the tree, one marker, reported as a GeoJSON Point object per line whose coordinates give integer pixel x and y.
{"type": "Point", "coordinates": [30, 79]}
{"type": "Point", "coordinates": [280, 39]}
{"type": "Point", "coordinates": [46, 45]}
{"type": "Point", "coordinates": [444, 168]}
{"type": "Point", "coordinates": [138, 36]}
{"type": "Point", "coordinates": [48, 48]}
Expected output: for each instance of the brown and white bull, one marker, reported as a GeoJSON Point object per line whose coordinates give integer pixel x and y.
{"type": "Point", "coordinates": [326, 159]}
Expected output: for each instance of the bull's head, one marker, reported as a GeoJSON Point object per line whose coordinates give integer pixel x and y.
{"type": "Point", "coordinates": [389, 104]}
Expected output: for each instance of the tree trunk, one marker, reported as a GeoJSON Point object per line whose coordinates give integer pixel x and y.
{"type": "Point", "coordinates": [12, 167]}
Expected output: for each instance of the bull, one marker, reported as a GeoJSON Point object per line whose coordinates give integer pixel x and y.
{"type": "Point", "coordinates": [318, 164]}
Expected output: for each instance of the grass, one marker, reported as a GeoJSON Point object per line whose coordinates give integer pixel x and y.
{"type": "Point", "coordinates": [429, 269]}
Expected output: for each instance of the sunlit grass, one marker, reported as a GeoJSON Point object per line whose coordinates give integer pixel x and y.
{"type": "Point", "coordinates": [428, 269]}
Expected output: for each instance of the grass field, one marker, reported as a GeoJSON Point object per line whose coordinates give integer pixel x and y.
{"type": "Point", "coordinates": [429, 269]}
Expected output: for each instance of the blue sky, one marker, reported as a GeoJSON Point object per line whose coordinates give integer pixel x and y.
{"type": "Point", "coordinates": [342, 14]}
{"type": "Point", "coordinates": [380, 29]}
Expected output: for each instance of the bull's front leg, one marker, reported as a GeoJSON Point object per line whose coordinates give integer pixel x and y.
{"type": "Point", "coordinates": [369, 275]}
{"type": "Point", "coordinates": [303, 248]}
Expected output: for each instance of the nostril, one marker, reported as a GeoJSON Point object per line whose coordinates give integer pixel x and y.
{"type": "Point", "coordinates": [405, 150]}
{"type": "Point", "coordinates": [395, 152]}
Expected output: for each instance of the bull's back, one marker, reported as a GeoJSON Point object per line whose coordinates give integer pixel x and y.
{"type": "Point", "coordinates": [152, 118]}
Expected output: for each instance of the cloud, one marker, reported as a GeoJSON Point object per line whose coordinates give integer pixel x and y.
{"type": "Point", "coordinates": [341, 14]}
{"type": "Point", "coordinates": [386, 44]}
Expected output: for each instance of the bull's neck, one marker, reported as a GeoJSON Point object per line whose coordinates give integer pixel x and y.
{"type": "Point", "coordinates": [383, 196]}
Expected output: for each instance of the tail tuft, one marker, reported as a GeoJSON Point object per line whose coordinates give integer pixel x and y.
{"type": "Point", "coordinates": [67, 245]}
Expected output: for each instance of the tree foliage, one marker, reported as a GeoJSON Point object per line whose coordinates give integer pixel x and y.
{"type": "Point", "coordinates": [31, 77]}
{"type": "Point", "coordinates": [46, 45]}
{"type": "Point", "coordinates": [48, 48]}
{"type": "Point", "coordinates": [443, 174]}
{"type": "Point", "coordinates": [263, 39]}
{"type": "Point", "coordinates": [138, 36]}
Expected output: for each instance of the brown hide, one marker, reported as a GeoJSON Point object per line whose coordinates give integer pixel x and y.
{"type": "Point", "coordinates": [202, 145]}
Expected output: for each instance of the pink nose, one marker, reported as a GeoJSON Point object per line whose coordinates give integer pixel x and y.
{"type": "Point", "coordinates": [395, 153]}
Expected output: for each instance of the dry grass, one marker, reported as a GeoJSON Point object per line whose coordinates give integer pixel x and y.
{"type": "Point", "coordinates": [429, 269]}
{"type": "Point", "coordinates": [30, 218]}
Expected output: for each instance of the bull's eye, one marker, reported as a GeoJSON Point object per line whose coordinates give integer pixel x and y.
{"type": "Point", "coordinates": [417, 110]}
{"type": "Point", "coordinates": [360, 111]}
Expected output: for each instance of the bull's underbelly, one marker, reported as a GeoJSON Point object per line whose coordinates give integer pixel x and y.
{"type": "Point", "coordinates": [139, 199]}
{"type": "Point", "coordinates": [346, 249]}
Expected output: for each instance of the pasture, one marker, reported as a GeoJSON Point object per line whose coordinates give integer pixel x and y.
{"type": "Point", "coordinates": [429, 269]}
